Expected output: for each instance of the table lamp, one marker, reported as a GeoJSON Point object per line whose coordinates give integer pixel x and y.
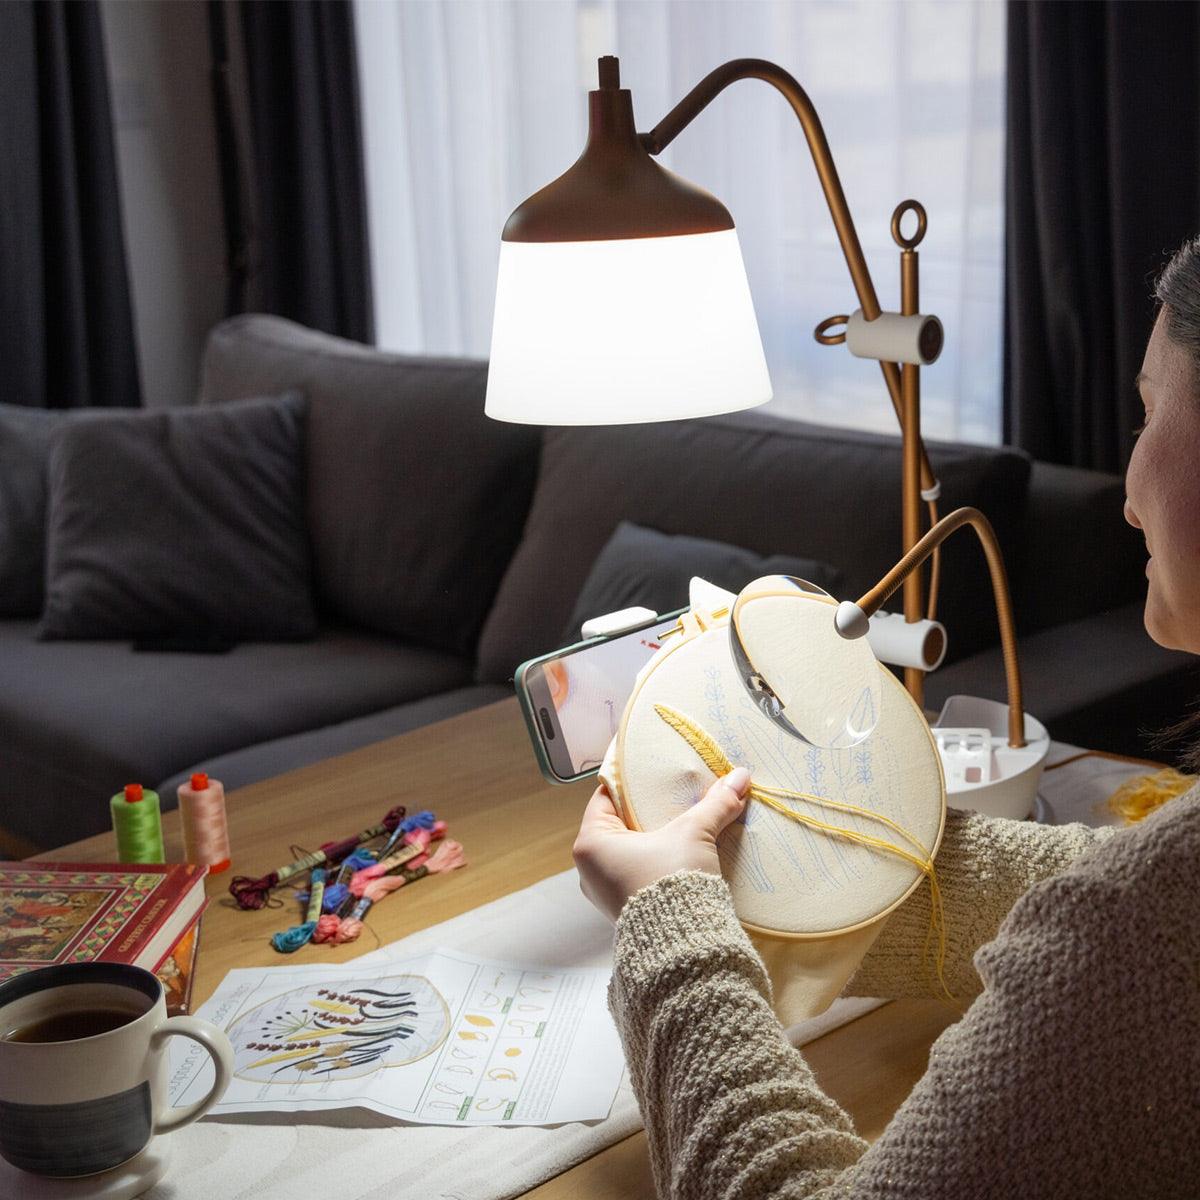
{"type": "Point", "coordinates": [622, 297]}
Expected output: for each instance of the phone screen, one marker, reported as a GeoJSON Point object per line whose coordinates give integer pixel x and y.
{"type": "Point", "coordinates": [579, 696]}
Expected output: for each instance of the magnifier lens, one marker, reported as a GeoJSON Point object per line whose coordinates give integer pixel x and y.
{"type": "Point", "coordinates": [803, 675]}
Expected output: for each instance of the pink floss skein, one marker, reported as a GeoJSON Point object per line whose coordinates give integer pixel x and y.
{"type": "Point", "coordinates": [347, 929]}
{"type": "Point", "coordinates": [449, 856]}
{"type": "Point", "coordinates": [418, 837]}
{"type": "Point", "coordinates": [327, 928]}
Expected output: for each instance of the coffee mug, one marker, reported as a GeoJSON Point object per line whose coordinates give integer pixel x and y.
{"type": "Point", "coordinates": [83, 1067]}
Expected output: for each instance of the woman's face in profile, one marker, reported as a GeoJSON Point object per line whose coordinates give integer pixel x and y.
{"type": "Point", "coordinates": [1162, 489]}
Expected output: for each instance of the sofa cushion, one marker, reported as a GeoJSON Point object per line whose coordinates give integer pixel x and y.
{"type": "Point", "coordinates": [1098, 682]}
{"type": "Point", "coordinates": [183, 522]}
{"type": "Point", "coordinates": [242, 767]}
{"type": "Point", "coordinates": [24, 449]}
{"type": "Point", "coordinates": [79, 719]}
{"type": "Point", "coordinates": [768, 484]}
{"type": "Point", "coordinates": [642, 567]}
{"type": "Point", "coordinates": [416, 500]}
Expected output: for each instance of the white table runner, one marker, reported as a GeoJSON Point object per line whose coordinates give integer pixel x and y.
{"type": "Point", "coordinates": [372, 1158]}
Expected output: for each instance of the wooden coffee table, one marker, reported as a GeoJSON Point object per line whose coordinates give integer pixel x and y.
{"type": "Point", "coordinates": [477, 772]}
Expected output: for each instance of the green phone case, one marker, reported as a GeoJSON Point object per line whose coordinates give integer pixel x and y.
{"type": "Point", "coordinates": [527, 707]}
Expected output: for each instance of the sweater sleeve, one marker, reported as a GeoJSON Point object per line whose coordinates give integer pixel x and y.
{"type": "Point", "coordinates": [731, 1109]}
{"type": "Point", "coordinates": [984, 866]}
{"type": "Point", "coordinates": [1073, 1073]}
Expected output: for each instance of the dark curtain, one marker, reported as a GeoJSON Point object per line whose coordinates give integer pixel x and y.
{"type": "Point", "coordinates": [1103, 185]}
{"type": "Point", "coordinates": [66, 320]}
{"type": "Point", "coordinates": [299, 161]}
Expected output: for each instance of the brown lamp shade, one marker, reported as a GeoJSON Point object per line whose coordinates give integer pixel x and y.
{"type": "Point", "coordinates": [615, 189]}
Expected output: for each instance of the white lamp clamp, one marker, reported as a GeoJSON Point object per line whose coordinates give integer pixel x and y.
{"type": "Point", "coordinates": [894, 337]}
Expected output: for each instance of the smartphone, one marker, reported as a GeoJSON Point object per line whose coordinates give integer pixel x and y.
{"type": "Point", "coordinates": [573, 699]}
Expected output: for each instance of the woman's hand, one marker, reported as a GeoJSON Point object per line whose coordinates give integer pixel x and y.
{"type": "Point", "coordinates": [614, 862]}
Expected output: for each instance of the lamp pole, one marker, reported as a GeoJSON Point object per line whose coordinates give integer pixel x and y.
{"type": "Point", "coordinates": [902, 380]}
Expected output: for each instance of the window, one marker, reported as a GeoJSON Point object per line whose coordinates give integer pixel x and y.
{"type": "Point", "coordinates": [470, 105]}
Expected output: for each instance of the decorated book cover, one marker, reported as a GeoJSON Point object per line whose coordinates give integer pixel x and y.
{"type": "Point", "coordinates": [82, 912]}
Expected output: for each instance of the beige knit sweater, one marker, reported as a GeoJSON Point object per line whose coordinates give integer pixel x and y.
{"type": "Point", "coordinates": [1074, 1073]}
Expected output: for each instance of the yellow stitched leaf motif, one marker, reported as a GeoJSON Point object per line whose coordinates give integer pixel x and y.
{"type": "Point", "coordinates": [710, 753]}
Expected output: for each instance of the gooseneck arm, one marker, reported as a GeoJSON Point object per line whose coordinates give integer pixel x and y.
{"type": "Point", "coordinates": [711, 86]}
{"type": "Point", "coordinates": [871, 601]}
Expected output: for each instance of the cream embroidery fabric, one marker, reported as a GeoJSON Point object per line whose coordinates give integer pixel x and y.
{"type": "Point", "coordinates": [811, 902]}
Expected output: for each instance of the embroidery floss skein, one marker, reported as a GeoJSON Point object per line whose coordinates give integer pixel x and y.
{"type": "Point", "coordinates": [290, 940]}
{"type": "Point", "coordinates": [333, 928]}
{"type": "Point", "coordinates": [252, 893]}
{"type": "Point", "coordinates": [415, 843]}
{"type": "Point", "coordinates": [337, 894]}
{"type": "Point", "coordinates": [420, 820]}
{"type": "Point", "coordinates": [449, 856]}
{"type": "Point", "coordinates": [205, 830]}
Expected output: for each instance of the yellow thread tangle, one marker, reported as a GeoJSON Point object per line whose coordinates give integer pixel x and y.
{"type": "Point", "coordinates": [715, 759]}
{"type": "Point", "coordinates": [1137, 798]}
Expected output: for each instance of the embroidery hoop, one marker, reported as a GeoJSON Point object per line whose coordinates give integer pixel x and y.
{"type": "Point", "coordinates": [839, 890]}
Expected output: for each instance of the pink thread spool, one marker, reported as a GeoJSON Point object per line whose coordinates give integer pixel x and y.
{"type": "Point", "coordinates": [205, 831]}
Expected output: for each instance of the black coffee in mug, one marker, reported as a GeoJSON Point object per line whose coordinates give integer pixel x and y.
{"type": "Point", "coordinates": [71, 1025]}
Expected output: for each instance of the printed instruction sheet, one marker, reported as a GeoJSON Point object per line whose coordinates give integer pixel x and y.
{"type": "Point", "coordinates": [442, 1038]}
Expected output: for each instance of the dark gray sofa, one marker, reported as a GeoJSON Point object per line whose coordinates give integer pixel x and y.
{"type": "Point", "coordinates": [447, 548]}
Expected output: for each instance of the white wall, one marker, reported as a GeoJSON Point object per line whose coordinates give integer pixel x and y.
{"type": "Point", "coordinates": [158, 63]}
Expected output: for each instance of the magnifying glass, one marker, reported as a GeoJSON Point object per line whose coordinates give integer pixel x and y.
{"type": "Point", "coordinates": [806, 678]}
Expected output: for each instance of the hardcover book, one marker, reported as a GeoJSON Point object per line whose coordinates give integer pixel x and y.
{"type": "Point", "coordinates": [83, 912]}
{"type": "Point", "coordinates": [178, 971]}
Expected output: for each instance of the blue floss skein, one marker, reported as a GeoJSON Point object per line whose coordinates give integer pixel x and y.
{"type": "Point", "coordinates": [420, 820]}
{"type": "Point", "coordinates": [290, 940]}
{"type": "Point", "coordinates": [335, 895]}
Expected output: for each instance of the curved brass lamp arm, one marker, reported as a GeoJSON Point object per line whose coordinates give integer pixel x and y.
{"type": "Point", "coordinates": [871, 601]}
{"type": "Point", "coordinates": [699, 98]}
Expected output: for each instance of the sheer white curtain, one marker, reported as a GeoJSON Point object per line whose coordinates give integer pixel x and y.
{"type": "Point", "coordinates": [470, 105]}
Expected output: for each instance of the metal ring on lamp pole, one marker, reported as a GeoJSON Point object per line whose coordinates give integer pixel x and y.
{"type": "Point", "coordinates": [902, 210]}
{"type": "Point", "coordinates": [831, 339]}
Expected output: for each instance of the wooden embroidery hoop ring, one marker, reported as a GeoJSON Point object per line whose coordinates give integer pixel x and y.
{"type": "Point", "coordinates": [704, 630]}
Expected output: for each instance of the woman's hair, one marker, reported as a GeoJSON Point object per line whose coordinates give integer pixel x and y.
{"type": "Point", "coordinates": [1178, 291]}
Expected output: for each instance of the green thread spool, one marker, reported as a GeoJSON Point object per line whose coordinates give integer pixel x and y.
{"type": "Point", "coordinates": [137, 822]}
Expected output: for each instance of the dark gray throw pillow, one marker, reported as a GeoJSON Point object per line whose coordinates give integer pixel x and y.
{"type": "Point", "coordinates": [24, 447]}
{"type": "Point", "coordinates": [179, 523]}
{"type": "Point", "coordinates": [640, 566]}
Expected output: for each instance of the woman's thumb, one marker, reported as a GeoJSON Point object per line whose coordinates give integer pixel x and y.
{"type": "Point", "coordinates": [722, 803]}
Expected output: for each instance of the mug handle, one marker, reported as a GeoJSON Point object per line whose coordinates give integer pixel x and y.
{"type": "Point", "coordinates": [217, 1045]}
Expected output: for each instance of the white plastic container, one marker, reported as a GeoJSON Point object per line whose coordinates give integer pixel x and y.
{"type": "Point", "coordinates": [1000, 781]}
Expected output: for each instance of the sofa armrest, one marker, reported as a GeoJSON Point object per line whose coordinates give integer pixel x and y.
{"type": "Point", "coordinates": [1079, 556]}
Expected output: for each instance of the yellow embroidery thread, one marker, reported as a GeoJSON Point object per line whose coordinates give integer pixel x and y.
{"type": "Point", "coordinates": [715, 759]}
{"type": "Point", "coordinates": [1137, 798]}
